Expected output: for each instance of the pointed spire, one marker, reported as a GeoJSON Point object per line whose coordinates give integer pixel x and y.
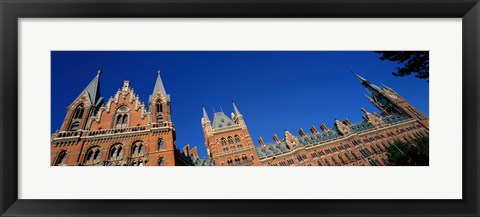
{"type": "Point", "coordinates": [360, 78]}
{"type": "Point", "coordinates": [371, 88]}
{"type": "Point", "coordinates": [158, 87]}
{"type": "Point", "coordinates": [205, 115]}
{"type": "Point", "coordinates": [235, 109]}
{"type": "Point", "coordinates": [93, 90]}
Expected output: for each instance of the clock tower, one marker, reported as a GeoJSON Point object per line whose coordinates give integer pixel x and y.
{"type": "Point", "coordinates": [390, 102]}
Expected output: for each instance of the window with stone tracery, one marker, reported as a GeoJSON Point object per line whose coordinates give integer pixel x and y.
{"type": "Point", "coordinates": [121, 120]}
{"type": "Point", "coordinates": [116, 151]}
{"type": "Point", "coordinates": [93, 155]}
{"type": "Point", "coordinates": [138, 148]}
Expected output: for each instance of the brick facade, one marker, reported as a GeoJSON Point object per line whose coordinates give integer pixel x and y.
{"type": "Point", "coordinates": [126, 132]}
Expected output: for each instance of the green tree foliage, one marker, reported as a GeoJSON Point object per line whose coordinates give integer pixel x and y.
{"type": "Point", "coordinates": [405, 154]}
{"type": "Point", "coordinates": [408, 62]}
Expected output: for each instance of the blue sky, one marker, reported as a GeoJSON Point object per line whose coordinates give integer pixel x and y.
{"type": "Point", "coordinates": [274, 90]}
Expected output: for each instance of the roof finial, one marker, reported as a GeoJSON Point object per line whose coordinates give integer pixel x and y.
{"type": "Point", "coordinates": [99, 72]}
{"type": "Point", "coordinates": [158, 72]}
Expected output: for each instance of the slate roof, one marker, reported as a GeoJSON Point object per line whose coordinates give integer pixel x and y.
{"type": "Point", "coordinates": [272, 149]}
{"type": "Point", "coordinates": [394, 118]}
{"type": "Point", "coordinates": [159, 88]}
{"type": "Point", "coordinates": [202, 161]}
{"type": "Point", "coordinates": [321, 137]}
{"type": "Point", "coordinates": [93, 91]}
{"type": "Point", "coordinates": [220, 120]}
{"type": "Point", "coordinates": [362, 126]}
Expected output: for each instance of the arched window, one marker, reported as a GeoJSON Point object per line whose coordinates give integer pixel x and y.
{"type": "Point", "coordinates": [237, 139]}
{"type": "Point", "coordinates": [121, 120]}
{"type": "Point", "coordinates": [75, 126]}
{"type": "Point", "coordinates": [161, 144]}
{"type": "Point", "coordinates": [61, 158]}
{"type": "Point", "coordinates": [125, 119]}
{"type": "Point", "coordinates": [93, 155]}
{"type": "Point", "coordinates": [78, 112]}
{"type": "Point", "coordinates": [138, 148]}
{"type": "Point", "coordinates": [237, 160]}
{"type": "Point", "coordinates": [223, 141]}
{"type": "Point", "coordinates": [159, 109]}
{"type": "Point", "coordinates": [230, 140]}
{"type": "Point", "coordinates": [116, 151]}
{"type": "Point", "coordinates": [229, 162]}
{"type": "Point", "coordinates": [161, 162]}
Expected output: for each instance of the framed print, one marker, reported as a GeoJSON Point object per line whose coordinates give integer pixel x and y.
{"type": "Point", "coordinates": [239, 108]}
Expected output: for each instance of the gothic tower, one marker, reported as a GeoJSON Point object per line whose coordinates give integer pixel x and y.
{"type": "Point", "coordinates": [83, 107]}
{"type": "Point", "coordinates": [390, 102]}
{"type": "Point", "coordinates": [227, 139]}
{"type": "Point", "coordinates": [123, 132]}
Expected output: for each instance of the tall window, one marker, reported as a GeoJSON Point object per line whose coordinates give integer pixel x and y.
{"type": "Point", "coordinates": [138, 148]}
{"type": "Point", "coordinates": [223, 141]}
{"type": "Point", "coordinates": [122, 121]}
{"type": "Point", "coordinates": [122, 117]}
{"type": "Point", "coordinates": [230, 140]}
{"type": "Point", "coordinates": [116, 151]}
{"type": "Point", "coordinates": [237, 139]}
{"type": "Point", "coordinates": [161, 144]}
{"type": "Point", "coordinates": [61, 159]}
{"type": "Point", "coordinates": [78, 113]}
{"type": "Point", "coordinates": [75, 126]}
{"type": "Point", "coordinates": [159, 108]}
{"type": "Point", "coordinates": [93, 155]}
{"type": "Point", "coordinates": [161, 162]}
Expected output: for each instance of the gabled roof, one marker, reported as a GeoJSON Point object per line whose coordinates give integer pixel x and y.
{"type": "Point", "coordinates": [93, 90]}
{"type": "Point", "coordinates": [220, 120]}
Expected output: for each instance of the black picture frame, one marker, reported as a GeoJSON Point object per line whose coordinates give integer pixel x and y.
{"type": "Point", "coordinates": [11, 11]}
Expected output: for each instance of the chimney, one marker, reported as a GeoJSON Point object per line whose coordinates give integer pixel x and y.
{"type": "Point", "coordinates": [186, 150]}
{"type": "Point", "coordinates": [194, 152]}
{"type": "Point", "coordinates": [324, 127]}
{"type": "Point", "coordinates": [301, 132]}
{"type": "Point", "coordinates": [275, 137]}
{"type": "Point", "coordinates": [347, 122]}
{"type": "Point", "coordinates": [262, 143]}
{"type": "Point", "coordinates": [313, 130]}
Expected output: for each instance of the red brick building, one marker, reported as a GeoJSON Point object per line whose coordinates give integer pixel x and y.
{"type": "Point", "coordinates": [125, 132]}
